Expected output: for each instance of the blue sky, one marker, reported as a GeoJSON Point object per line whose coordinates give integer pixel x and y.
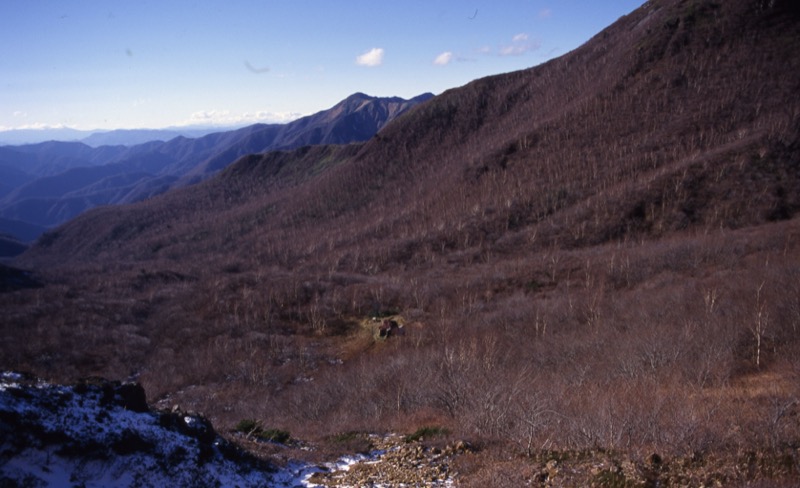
{"type": "Point", "coordinates": [150, 64]}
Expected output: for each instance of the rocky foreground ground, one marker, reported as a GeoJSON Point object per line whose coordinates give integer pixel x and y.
{"type": "Point", "coordinates": [395, 461]}
{"type": "Point", "coordinates": [399, 465]}
{"type": "Point", "coordinates": [102, 433]}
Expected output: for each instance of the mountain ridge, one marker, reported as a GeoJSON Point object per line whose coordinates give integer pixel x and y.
{"type": "Point", "coordinates": [506, 99]}
{"type": "Point", "coordinates": [46, 172]}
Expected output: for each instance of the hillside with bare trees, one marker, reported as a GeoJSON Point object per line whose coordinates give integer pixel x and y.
{"type": "Point", "coordinates": [589, 269]}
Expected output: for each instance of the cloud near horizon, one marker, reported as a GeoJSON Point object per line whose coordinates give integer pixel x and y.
{"type": "Point", "coordinates": [373, 57]}
{"type": "Point", "coordinates": [220, 118]}
{"type": "Point", "coordinates": [226, 117]}
{"type": "Point", "coordinates": [35, 126]}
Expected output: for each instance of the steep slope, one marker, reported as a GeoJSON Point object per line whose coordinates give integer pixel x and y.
{"type": "Point", "coordinates": [639, 130]}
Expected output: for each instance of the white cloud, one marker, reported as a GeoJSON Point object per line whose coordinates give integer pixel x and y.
{"type": "Point", "coordinates": [545, 13]}
{"type": "Point", "coordinates": [520, 44]}
{"type": "Point", "coordinates": [511, 50]}
{"type": "Point", "coordinates": [373, 57]}
{"type": "Point", "coordinates": [226, 117]}
{"type": "Point", "coordinates": [19, 113]}
{"type": "Point", "coordinates": [444, 58]}
{"type": "Point", "coordinates": [35, 126]}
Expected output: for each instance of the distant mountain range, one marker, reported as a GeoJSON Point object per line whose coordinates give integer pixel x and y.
{"type": "Point", "coordinates": [97, 138]}
{"type": "Point", "coordinates": [46, 184]}
{"type": "Point", "coordinates": [132, 137]}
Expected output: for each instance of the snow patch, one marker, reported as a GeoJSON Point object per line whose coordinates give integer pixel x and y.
{"type": "Point", "coordinates": [83, 435]}
{"type": "Point", "coordinates": [95, 434]}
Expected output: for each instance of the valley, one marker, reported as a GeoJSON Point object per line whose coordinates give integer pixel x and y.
{"type": "Point", "coordinates": [48, 183]}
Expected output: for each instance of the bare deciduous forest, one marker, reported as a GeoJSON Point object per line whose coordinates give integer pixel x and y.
{"type": "Point", "coordinates": [595, 257]}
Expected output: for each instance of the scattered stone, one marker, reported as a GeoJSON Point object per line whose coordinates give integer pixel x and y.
{"type": "Point", "coordinates": [396, 463]}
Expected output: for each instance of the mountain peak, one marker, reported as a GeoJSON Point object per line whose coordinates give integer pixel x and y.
{"type": "Point", "coordinates": [360, 96]}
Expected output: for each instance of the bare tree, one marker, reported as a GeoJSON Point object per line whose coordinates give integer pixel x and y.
{"type": "Point", "coordinates": [761, 321]}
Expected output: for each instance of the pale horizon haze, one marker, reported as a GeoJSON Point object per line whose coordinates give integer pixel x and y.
{"type": "Point", "coordinates": [106, 65]}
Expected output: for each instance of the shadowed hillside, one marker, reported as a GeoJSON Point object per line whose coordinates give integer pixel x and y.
{"type": "Point", "coordinates": [590, 261]}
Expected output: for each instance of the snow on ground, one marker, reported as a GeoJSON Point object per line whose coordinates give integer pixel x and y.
{"type": "Point", "coordinates": [103, 434]}
{"type": "Point", "coordinates": [87, 435]}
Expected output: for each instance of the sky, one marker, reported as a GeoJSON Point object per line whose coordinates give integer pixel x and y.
{"type": "Point", "coordinates": [88, 64]}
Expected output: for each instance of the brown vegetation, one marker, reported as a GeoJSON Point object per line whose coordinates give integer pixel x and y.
{"type": "Point", "coordinates": [599, 254]}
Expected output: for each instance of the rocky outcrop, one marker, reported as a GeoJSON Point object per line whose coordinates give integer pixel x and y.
{"type": "Point", "coordinates": [102, 433]}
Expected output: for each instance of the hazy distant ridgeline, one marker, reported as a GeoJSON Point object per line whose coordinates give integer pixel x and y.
{"type": "Point", "coordinates": [597, 256]}
{"type": "Point", "coordinates": [48, 183]}
{"type": "Point", "coordinates": [97, 138]}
